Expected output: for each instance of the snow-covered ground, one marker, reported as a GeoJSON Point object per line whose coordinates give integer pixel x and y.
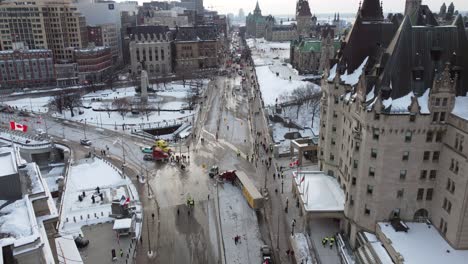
{"type": "Point", "coordinates": [273, 70]}
{"type": "Point", "coordinates": [237, 218]}
{"type": "Point", "coordinates": [86, 176]}
{"type": "Point", "coordinates": [172, 97]}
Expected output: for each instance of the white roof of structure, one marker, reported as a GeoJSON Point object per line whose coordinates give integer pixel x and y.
{"type": "Point", "coordinates": [67, 250]}
{"type": "Point", "coordinates": [319, 192]}
{"type": "Point", "coordinates": [17, 223]}
{"type": "Point", "coordinates": [122, 223]}
{"type": "Point", "coordinates": [7, 162]}
{"type": "Point", "coordinates": [422, 244]}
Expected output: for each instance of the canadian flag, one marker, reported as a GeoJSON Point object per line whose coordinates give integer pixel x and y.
{"type": "Point", "coordinates": [124, 200]}
{"type": "Point", "coordinates": [17, 126]}
{"type": "Point", "coordinates": [294, 163]}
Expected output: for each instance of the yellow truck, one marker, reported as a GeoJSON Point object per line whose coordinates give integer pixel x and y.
{"type": "Point", "coordinates": [251, 193]}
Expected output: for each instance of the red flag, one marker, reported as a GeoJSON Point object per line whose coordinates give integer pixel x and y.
{"type": "Point", "coordinates": [19, 127]}
{"type": "Point", "coordinates": [303, 178]}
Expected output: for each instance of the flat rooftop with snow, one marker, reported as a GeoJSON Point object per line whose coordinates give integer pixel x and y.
{"type": "Point", "coordinates": [420, 244]}
{"type": "Point", "coordinates": [319, 193]}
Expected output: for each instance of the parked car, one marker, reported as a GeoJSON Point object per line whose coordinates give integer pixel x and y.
{"type": "Point", "coordinates": [148, 157]}
{"type": "Point", "coordinates": [147, 149]}
{"type": "Point", "coordinates": [81, 242]}
{"type": "Point", "coordinates": [86, 142]}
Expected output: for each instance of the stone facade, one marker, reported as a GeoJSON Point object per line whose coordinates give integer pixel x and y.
{"type": "Point", "coordinates": [310, 56]}
{"type": "Point", "coordinates": [22, 67]}
{"type": "Point", "coordinates": [274, 32]}
{"type": "Point", "coordinates": [150, 47]}
{"type": "Point", "coordinates": [196, 48]}
{"type": "Point", "coordinates": [397, 147]}
{"type": "Point", "coordinates": [303, 18]}
{"type": "Point", "coordinates": [255, 23]}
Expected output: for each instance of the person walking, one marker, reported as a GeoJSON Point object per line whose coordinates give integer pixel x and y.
{"type": "Point", "coordinates": [121, 253]}
{"type": "Point", "coordinates": [152, 216]}
{"type": "Point", "coordinates": [324, 241]}
{"type": "Point", "coordinates": [332, 241]}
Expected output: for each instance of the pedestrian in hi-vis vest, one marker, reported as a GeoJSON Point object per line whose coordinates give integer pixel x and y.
{"type": "Point", "coordinates": [324, 241]}
{"type": "Point", "coordinates": [332, 241]}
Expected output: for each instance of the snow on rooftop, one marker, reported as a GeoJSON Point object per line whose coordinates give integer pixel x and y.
{"type": "Point", "coordinates": [89, 175]}
{"type": "Point", "coordinates": [319, 192]}
{"type": "Point", "coordinates": [378, 248]}
{"type": "Point", "coordinates": [67, 250]}
{"type": "Point", "coordinates": [7, 162]}
{"type": "Point", "coordinates": [401, 104]}
{"type": "Point", "coordinates": [14, 219]}
{"type": "Point", "coordinates": [423, 102]}
{"type": "Point", "coordinates": [461, 107]}
{"type": "Point", "coordinates": [353, 78]}
{"type": "Point", "coordinates": [122, 224]}
{"type": "Point", "coordinates": [422, 244]}
{"type": "Point", "coordinates": [18, 224]}
{"type": "Point", "coordinates": [332, 75]}
{"type": "Point", "coordinates": [35, 176]}
{"type": "Point", "coordinates": [371, 94]}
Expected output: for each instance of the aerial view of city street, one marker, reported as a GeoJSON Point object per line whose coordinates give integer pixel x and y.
{"type": "Point", "coordinates": [233, 132]}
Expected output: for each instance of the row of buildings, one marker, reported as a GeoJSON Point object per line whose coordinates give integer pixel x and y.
{"type": "Point", "coordinates": [394, 130]}
{"type": "Point", "coordinates": [65, 42]}
{"type": "Point", "coordinates": [305, 25]}
{"type": "Point", "coordinates": [184, 50]}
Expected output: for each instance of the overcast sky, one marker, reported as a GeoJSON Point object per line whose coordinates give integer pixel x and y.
{"type": "Point", "coordinates": [285, 7]}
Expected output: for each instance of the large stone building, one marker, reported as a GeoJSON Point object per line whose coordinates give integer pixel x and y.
{"type": "Point", "coordinates": [395, 123]}
{"type": "Point", "coordinates": [196, 48]}
{"type": "Point", "coordinates": [275, 32]}
{"type": "Point", "coordinates": [151, 47]}
{"type": "Point", "coordinates": [255, 23]}
{"type": "Point", "coordinates": [168, 18]}
{"type": "Point", "coordinates": [21, 67]}
{"type": "Point", "coordinates": [311, 56]}
{"type": "Point", "coordinates": [54, 25]}
{"type": "Point", "coordinates": [303, 18]}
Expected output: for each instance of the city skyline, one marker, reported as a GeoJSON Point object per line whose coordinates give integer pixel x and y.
{"type": "Point", "coordinates": [279, 7]}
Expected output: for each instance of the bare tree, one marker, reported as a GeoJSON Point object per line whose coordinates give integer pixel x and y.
{"type": "Point", "coordinates": [108, 107]}
{"type": "Point", "coordinates": [122, 106]}
{"type": "Point", "coordinates": [57, 103]}
{"type": "Point", "coordinates": [66, 101]}
{"type": "Point", "coordinates": [309, 95]}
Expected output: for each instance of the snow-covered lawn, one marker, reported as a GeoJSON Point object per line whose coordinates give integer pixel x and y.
{"type": "Point", "coordinates": [273, 70]}
{"type": "Point", "coordinates": [172, 96]}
